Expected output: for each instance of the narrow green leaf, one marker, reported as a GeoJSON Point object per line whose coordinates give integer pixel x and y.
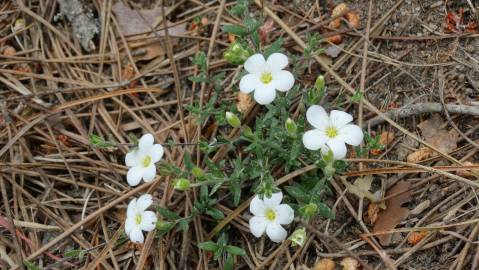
{"type": "Point", "coordinates": [235, 250]}
{"type": "Point", "coordinates": [209, 246]}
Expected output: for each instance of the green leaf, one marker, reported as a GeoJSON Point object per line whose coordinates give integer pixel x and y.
{"type": "Point", "coordinates": [198, 79]}
{"type": "Point", "coordinates": [215, 213]}
{"type": "Point", "coordinates": [228, 263]}
{"type": "Point", "coordinates": [325, 211]}
{"type": "Point", "coordinates": [235, 250]}
{"type": "Point", "coordinates": [298, 192]}
{"type": "Point", "coordinates": [184, 224]}
{"type": "Point", "coordinates": [31, 266]}
{"type": "Point", "coordinates": [209, 246]}
{"type": "Point", "coordinates": [168, 214]}
{"type": "Point", "coordinates": [235, 29]}
{"type": "Point", "coordinates": [275, 47]}
{"type": "Point", "coordinates": [72, 253]}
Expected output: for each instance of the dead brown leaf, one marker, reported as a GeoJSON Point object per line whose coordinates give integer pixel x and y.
{"type": "Point", "coordinates": [386, 138]}
{"type": "Point", "coordinates": [324, 264]}
{"type": "Point", "coordinates": [434, 134]}
{"type": "Point", "coordinates": [388, 219]}
{"type": "Point", "coordinates": [419, 155]}
{"type": "Point", "coordinates": [349, 263]}
{"type": "Point", "coordinates": [415, 237]}
{"type": "Point", "coordinates": [133, 22]}
{"type": "Point", "coordinates": [245, 102]}
{"type": "Point", "coordinates": [438, 137]}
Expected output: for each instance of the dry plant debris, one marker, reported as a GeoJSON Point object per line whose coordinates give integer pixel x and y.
{"type": "Point", "coordinates": [82, 80]}
{"type": "Point", "coordinates": [394, 213]}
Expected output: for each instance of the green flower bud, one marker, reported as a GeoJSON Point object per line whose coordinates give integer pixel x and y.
{"type": "Point", "coordinates": [236, 54]}
{"type": "Point", "coordinates": [181, 184]}
{"type": "Point", "coordinates": [329, 170]}
{"type": "Point", "coordinates": [197, 172]}
{"type": "Point", "coordinates": [309, 210]}
{"type": "Point", "coordinates": [164, 225]}
{"type": "Point", "coordinates": [319, 84]}
{"type": "Point", "coordinates": [298, 237]}
{"type": "Point", "coordinates": [248, 133]}
{"type": "Point", "coordinates": [291, 127]}
{"type": "Point", "coordinates": [233, 120]}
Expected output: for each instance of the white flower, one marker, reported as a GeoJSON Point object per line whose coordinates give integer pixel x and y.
{"type": "Point", "coordinates": [269, 215]}
{"type": "Point", "coordinates": [266, 76]}
{"type": "Point", "coordinates": [142, 160]}
{"type": "Point", "coordinates": [138, 220]}
{"type": "Point", "coordinates": [331, 132]}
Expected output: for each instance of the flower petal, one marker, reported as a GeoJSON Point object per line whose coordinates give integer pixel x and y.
{"type": "Point", "coordinates": [257, 225]}
{"type": "Point", "coordinates": [274, 200]}
{"type": "Point", "coordinates": [314, 139]}
{"type": "Point", "coordinates": [351, 134]}
{"type": "Point", "coordinates": [339, 118]}
{"type": "Point", "coordinates": [283, 80]}
{"type": "Point", "coordinates": [146, 141]}
{"type": "Point", "coordinates": [129, 224]}
{"type": "Point", "coordinates": [136, 235]}
{"type": "Point", "coordinates": [317, 117]}
{"type": "Point", "coordinates": [143, 202]}
{"type": "Point", "coordinates": [275, 232]}
{"type": "Point", "coordinates": [148, 221]}
{"type": "Point", "coordinates": [248, 83]}
{"type": "Point", "coordinates": [338, 147]}
{"type": "Point", "coordinates": [149, 173]}
{"type": "Point", "coordinates": [132, 159]}
{"type": "Point", "coordinates": [156, 152]}
{"type": "Point", "coordinates": [277, 61]}
{"type": "Point", "coordinates": [131, 210]}
{"type": "Point", "coordinates": [265, 94]}
{"type": "Point", "coordinates": [134, 175]}
{"type": "Point", "coordinates": [284, 214]}
{"type": "Point", "coordinates": [255, 63]}
{"type": "Point", "coordinates": [256, 206]}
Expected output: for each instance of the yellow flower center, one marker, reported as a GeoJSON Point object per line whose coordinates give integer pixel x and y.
{"type": "Point", "coordinates": [331, 132]}
{"type": "Point", "coordinates": [138, 219]}
{"type": "Point", "coordinates": [266, 77]}
{"type": "Point", "coordinates": [146, 161]}
{"type": "Point", "coordinates": [270, 215]}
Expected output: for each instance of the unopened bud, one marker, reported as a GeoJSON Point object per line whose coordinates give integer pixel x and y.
{"type": "Point", "coordinates": [319, 84]}
{"type": "Point", "coordinates": [181, 184]}
{"type": "Point", "coordinates": [309, 210]}
{"type": "Point", "coordinates": [291, 127]}
{"type": "Point", "coordinates": [298, 237]}
{"type": "Point", "coordinates": [197, 172]}
{"type": "Point", "coordinates": [233, 120]}
{"type": "Point", "coordinates": [236, 54]}
{"type": "Point", "coordinates": [248, 133]}
{"type": "Point", "coordinates": [163, 225]}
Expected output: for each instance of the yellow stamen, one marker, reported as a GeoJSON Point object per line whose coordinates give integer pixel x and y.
{"type": "Point", "coordinates": [266, 77]}
{"type": "Point", "coordinates": [331, 132]}
{"type": "Point", "coordinates": [138, 219]}
{"type": "Point", "coordinates": [146, 161]}
{"type": "Point", "coordinates": [270, 215]}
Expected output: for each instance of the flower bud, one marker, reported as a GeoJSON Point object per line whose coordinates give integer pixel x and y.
{"type": "Point", "coordinates": [233, 120]}
{"type": "Point", "coordinates": [197, 172]}
{"type": "Point", "coordinates": [309, 210]}
{"type": "Point", "coordinates": [291, 127]}
{"type": "Point", "coordinates": [164, 225]}
{"type": "Point", "coordinates": [319, 84]}
{"type": "Point", "coordinates": [181, 184]}
{"type": "Point", "coordinates": [248, 133]}
{"type": "Point", "coordinates": [298, 237]}
{"type": "Point", "coordinates": [236, 54]}
{"type": "Point", "coordinates": [329, 170]}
